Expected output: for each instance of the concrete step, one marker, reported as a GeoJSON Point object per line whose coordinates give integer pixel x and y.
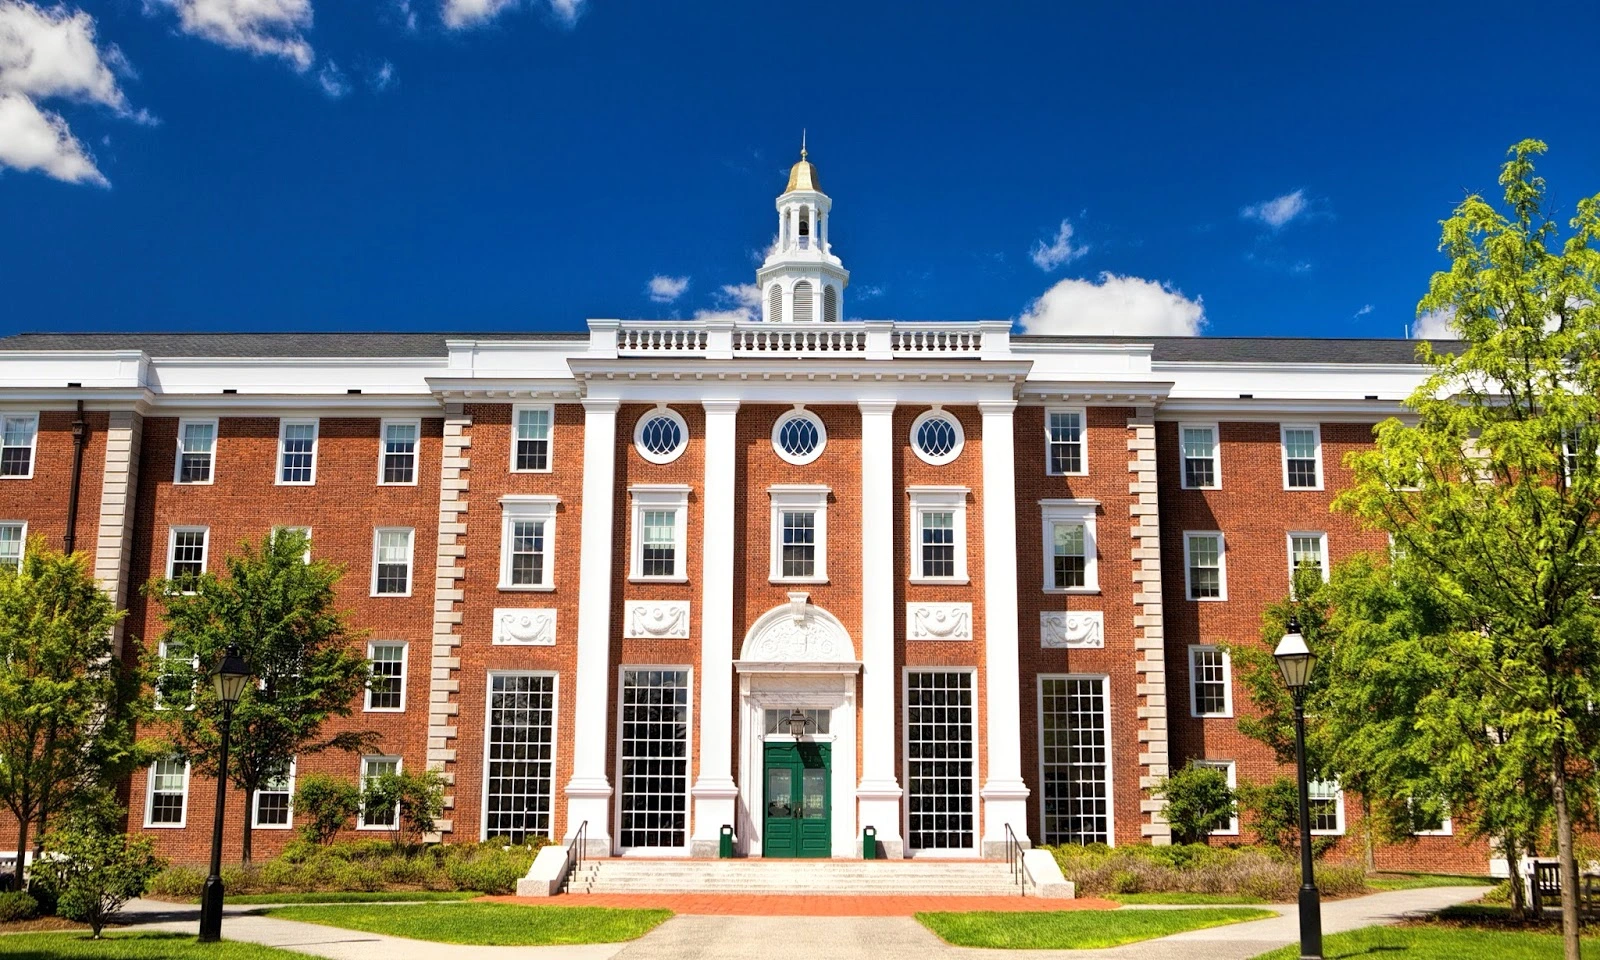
{"type": "Point", "coordinates": [756, 876]}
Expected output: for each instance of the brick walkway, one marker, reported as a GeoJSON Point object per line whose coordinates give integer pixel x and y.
{"type": "Point", "coordinates": [805, 905]}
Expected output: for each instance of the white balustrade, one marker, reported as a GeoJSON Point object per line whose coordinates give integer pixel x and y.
{"type": "Point", "coordinates": [701, 338]}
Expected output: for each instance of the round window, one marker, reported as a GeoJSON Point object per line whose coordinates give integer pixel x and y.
{"type": "Point", "coordinates": [661, 435]}
{"type": "Point", "coordinates": [799, 436]}
{"type": "Point", "coordinates": [936, 436]}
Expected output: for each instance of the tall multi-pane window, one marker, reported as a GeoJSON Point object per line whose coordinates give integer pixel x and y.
{"type": "Point", "coordinates": [1210, 693]}
{"type": "Point", "coordinates": [799, 543]}
{"type": "Point", "coordinates": [17, 435]}
{"type": "Point", "coordinates": [938, 543]}
{"type": "Point", "coordinates": [527, 552]}
{"type": "Point", "coordinates": [186, 554]}
{"type": "Point", "coordinates": [297, 452]}
{"type": "Point", "coordinates": [799, 531]}
{"type": "Point", "coordinates": [1068, 562]}
{"type": "Point", "coordinates": [399, 452]}
{"type": "Point", "coordinates": [12, 538]}
{"type": "Point", "coordinates": [660, 543]}
{"type": "Point", "coordinates": [386, 676]}
{"type": "Point", "coordinates": [660, 519]}
{"type": "Point", "coordinates": [169, 789]}
{"type": "Point", "coordinates": [177, 670]}
{"type": "Point", "coordinates": [391, 567]}
{"type": "Point", "coordinates": [1199, 456]}
{"type": "Point", "coordinates": [1307, 552]}
{"type": "Point", "coordinates": [1227, 769]}
{"type": "Point", "coordinates": [519, 756]}
{"type": "Point", "coordinates": [1327, 807]}
{"type": "Point", "coordinates": [1302, 457]}
{"type": "Point", "coordinates": [386, 817]}
{"type": "Point", "coordinates": [654, 758]}
{"type": "Point", "coordinates": [1074, 760]}
{"type": "Point", "coordinates": [197, 448]}
{"type": "Point", "coordinates": [275, 799]}
{"type": "Point", "coordinates": [1064, 441]}
{"type": "Point", "coordinates": [533, 439]}
{"type": "Point", "coordinates": [1204, 566]}
{"type": "Point", "coordinates": [527, 539]}
{"type": "Point", "coordinates": [940, 779]}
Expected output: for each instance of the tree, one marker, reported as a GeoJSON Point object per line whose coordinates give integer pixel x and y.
{"type": "Point", "coordinates": [414, 799]}
{"type": "Point", "coordinates": [93, 868]}
{"type": "Point", "coordinates": [278, 607]}
{"type": "Point", "coordinates": [325, 804]}
{"type": "Point", "coordinates": [68, 706]}
{"type": "Point", "coordinates": [1198, 802]}
{"type": "Point", "coordinates": [1491, 496]}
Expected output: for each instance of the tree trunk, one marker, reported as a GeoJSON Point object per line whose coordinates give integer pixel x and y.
{"type": "Point", "coordinates": [1371, 850]}
{"type": "Point", "coordinates": [1569, 862]}
{"type": "Point", "coordinates": [1512, 847]}
{"type": "Point", "coordinates": [22, 851]}
{"type": "Point", "coordinates": [247, 835]}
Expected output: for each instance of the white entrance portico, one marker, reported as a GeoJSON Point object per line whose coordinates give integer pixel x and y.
{"type": "Point", "coordinates": [797, 656]}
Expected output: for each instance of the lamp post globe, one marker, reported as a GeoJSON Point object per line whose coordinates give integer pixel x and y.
{"type": "Point", "coordinates": [228, 681]}
{"type": "Point", "coordinates": [1296, 661]}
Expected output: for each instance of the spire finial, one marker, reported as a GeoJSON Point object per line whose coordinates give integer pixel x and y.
{"type": "Point", "coordinates": [802, 143]}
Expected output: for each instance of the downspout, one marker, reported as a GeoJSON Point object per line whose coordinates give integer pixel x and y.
{"type": "Point", "coordinates": [80, 432]}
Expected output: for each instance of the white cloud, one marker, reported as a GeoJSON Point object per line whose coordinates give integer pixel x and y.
{"type": "Point", "coordinates": [408, 16]}
{"type": "Point", "coordinates": [383, 77]}
{"type": "Point", "coordinates": [1365, 309]}
{"type": "Point", "coordinates": [1277, 212]}
{"type": "Point", "coordinates": [1434, 325]}
{"type": "Point", "coordinates": [869, 292]}
{"type": "Point", "coordinates": [1059, 251]}
{"type": "Point", "coordinates": [34, 139]}
{"type": "Point", "coordinates": [462, 14]}
{"type": "Point", "coordinates": [271, 28]}
{"type": "Point", "coordinates": [1114, 305]}
{"type": "Point", "coordinates": [567, 10]}
{"type": "Point", "coordinates": [735, 301]}
{"type": "Point", "coordinates": [664, 289]}
{"type": "Point", "coordinates": [332, 80]}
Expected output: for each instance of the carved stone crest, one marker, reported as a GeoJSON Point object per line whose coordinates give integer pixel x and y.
{"type": "Point", "coordinates": [939, 621]}
{"type": "Point", "coordinates": [798, 632]}
{"type": "Point", "coordinates": [656, 619]}
{"type": "Point", "coordinates": [1059, 628]}
{"type": "Point", "coordinates": [527, 627]}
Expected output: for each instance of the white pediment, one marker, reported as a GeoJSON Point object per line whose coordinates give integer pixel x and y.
{"type": "Point", "coordinates": [798, 632]}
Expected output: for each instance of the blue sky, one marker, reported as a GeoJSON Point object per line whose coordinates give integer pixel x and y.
{"type": "Point", "coordinates": [1252, 169]}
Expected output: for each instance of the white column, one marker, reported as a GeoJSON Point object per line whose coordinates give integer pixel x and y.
{"type": "Point", "coordinates": [879, 792]}
{"type": "Point", "coordinates": [1004, 794]}
{"type": "Point", "coordinates": [715, 793]}
{"type": "Point", "coordinates": [589, 790]}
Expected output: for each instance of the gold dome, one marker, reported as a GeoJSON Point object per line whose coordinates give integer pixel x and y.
{"type": "Point", "coordinates": [803, 176]}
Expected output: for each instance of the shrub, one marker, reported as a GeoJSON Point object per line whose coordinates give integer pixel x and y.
{"type": "Point", "coordinates": [1196, 868]}
{"type": "Point", "coordinates": [178, 882]}
{"type": "Point", "coordinates": [327, 804]}
{"type": "Point", "coordinates": [94, 871]}
{"type": "Point", "coordinates": [1198, 802]}
{"type": "Point", "coordinates": [417, 799]}
{"type": "Point", "coordinates": [491, 871]}
{"type": "Point", "coordinates": [17, 906]}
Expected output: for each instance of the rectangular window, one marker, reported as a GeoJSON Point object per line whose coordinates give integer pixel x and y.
{"type": "Point", "coordinates": [1229, 771]}
{"type": "Point", "coordinates": [799, 532]}
{"type": "Point", "coordinates": [386, 679]}
{"type": "Point", "coordinates": [1064, 442]}
{"type": "Point", "coordinates": [777, 721]}
{"type": "Point", "coordinates": [659, 534]}
{"type": "Point", "coordinates": [1327, 808]}
{"type": "Point", "coordinates": [398, 466]}
{"type": "Point", "coordinates": [371, 769]}
{"type": "Point", "coordinates": [1302, 457]}
{"type": "Point", "coordinates": [527, 536]}
{"type": "Point", "coordinates": [169, 790]}
{"type": "Point", "coordinates": [1199, 443]}
{"type": "Point", "coordinates": [519, 761]}
{"type": "Point", "coordinates": [275, 801]}
{"type": "Point", "coordinates": [297, 452]}
{"type": "Point", "coordinates": [938, 543]}
{"type": "Point", "coordinates": [18, 435]}
{"type": "Point", "coordinates": [186, 555]}
{"type": "Point", "coordinates": [799, 543]}
{"type": "Point", "coordinates": [302, 531]}
{"type": "Point", "coordinates": [175, 668]}
{"type": "Point", "coordinates": [1210, 689]}
{"type": "Point", "coordinates": [940, 760]}
{"type": "Point", "coordinates": [1069, 546]}
{"type": "Point", "coordinates": [1205, 566]}
{"type": "Point", "coordinates": [531, 452]}
{"type": "Point", "coordinates": [197, 448]}
{"type": "Point", "coordinates": [660, 543]}
{"type": "Point", "coordinates": [391, 562]}
{"type": "Point", "coordinates": [1308, 551]}
{"type": "Point", "coordinates": [13, 537]}
{"type": "Point", "coordinates": [1075, 760]}
{"type": "Point", "coordinates": [938, 533]}
{"type": "Point", "coordinates": [1069, 565]}
{"type": "Point", "coordinates": [653, 759]}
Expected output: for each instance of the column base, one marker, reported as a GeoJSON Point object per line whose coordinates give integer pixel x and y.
{"type": "Point", "coordinates": [1005, 803]}
{"type": "Point", "coordinates": [879, 805]}
{"type": "Point", "coordinates": [590, 801]}
{"type": "Point", "coordinates": [715, 806]}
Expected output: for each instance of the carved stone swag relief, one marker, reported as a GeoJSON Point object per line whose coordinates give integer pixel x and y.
{"type": "Point", "coordinates": [1065, 629]}
{"type": "Point", "coordinates": [656, 620]}
{"type": "Point", "coordinates": [524, 627]}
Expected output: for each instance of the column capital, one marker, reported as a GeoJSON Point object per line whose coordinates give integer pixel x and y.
{"type": "Point", "coordinates": [997, 408]}
{"type": "Point", "coordinates": [600, 405]}
{"type": "Point", "coordinates": [720, 406]}
{"type": "Point", "coordinates": [876, 407]}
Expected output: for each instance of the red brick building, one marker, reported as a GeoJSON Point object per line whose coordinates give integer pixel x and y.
{"type": "Point", "coordinates": [600, 572]}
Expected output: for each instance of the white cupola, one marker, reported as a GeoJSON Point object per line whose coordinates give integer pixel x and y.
{"type": "Point", "coordinates": [801, 279]}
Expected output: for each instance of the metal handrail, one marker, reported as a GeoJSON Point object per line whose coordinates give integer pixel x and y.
{"type": "Point", "coordinates": [1019, 867]}
{"type": "Point", "coordinates": [575, 856]}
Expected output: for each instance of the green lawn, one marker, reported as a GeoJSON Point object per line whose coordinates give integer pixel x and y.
{"type": "Point", "coordinates": [1413, 881]}
{"type": "Point", "coordinates": [355, 896]}
{"type": "Point", "coordinates": [1185, 899]}
{"type": "Point", "coordinates": [138, 946]}
{"type": "Point", "coordinates": [1436, 943]}
{"type": "Point", "coordinates": [1075, 929]}
{"type": "Point", "coordinates": [493, 924]}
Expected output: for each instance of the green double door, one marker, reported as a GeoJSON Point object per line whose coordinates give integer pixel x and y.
{"type": "Point", "coordinates": [799, 811]}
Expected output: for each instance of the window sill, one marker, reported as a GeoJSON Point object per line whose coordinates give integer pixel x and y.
{"type": "Point", "coordinates": [383, 709]}
{"type": "Point", "coordinates": [16, 476]}
{"type": "Point", "coordinates": [164, 826]}
{"type": "Point", "coordinates": [799, 580]}
{"type": "Point", "coordinates": [272, 826]}
{"type": "Point", "coordinates": [1211, 716]}
{"type": "Point", "coordinates": [658, 579]}
{"type": "Point", "coordinates": [1074, 473]}
{"type": "Point", "coordinates": [395, 596]}
{"type": "Point", "coordinates": [383, 483]}
{"type": "Point", "coordinates": [939, 581]}
{"type": "Point", "coordinates": [545, 470]}
{"type": "Point", "coordinates": [1327, 833]}
{"type": "Point", "coordinates": [526, 588]}
{"type": "Point", "coordinates": [1314, 489]}
{"type": "Point", "coordinates": [1203, 489]}
{"type": "Point", "coordinates": [291, 483]}
{"type": "Point", "coordinates": [193, 483]}
{"type": "Point", "coordinates": [1074, 591]}
{"type": "Point", "coordinates": [373, 826]}
{"type": "Point", "coordinates": [1208, 599]}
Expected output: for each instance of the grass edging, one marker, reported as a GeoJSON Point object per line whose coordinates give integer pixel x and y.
{"type": "Point", "coordinates": [67, 945]}
{"type": "Point", "coordinates": [1076, 929]}
{"type": "Point", "coordinates": [485, 924]}
{"type": "Point", "coordinates": [348, 896]}
{"type": "Point", "coordinates": [1437, 943]}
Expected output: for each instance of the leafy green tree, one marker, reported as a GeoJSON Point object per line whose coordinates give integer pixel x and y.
{"type": "Point", "coordinates": [304, 657]}
{"type": "Point", "coordinates": [68, 706]}
{"type": "Point", "coordinates": [325, 805]}
{"type": "Point", "coordinates": [415, 799]}
{"type": "Point", "coordinates": [1198, 802]}
{"type": "Point", "coordinates": [92, 868]}
{"type": "Point", "coordinates": [1491, 494]}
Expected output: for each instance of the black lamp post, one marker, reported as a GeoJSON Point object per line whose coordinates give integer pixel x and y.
{"type": "Point", "coordinates": [1295, 661]}
{"type": "Point", "coordinates": [228, 680]}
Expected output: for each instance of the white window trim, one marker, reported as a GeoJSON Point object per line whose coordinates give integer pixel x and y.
{"type": "Point", "coordinates": [1194, 682]}
{"type": "Point", "coordinates": [1288, 546]}
{"type": "Point", "coordinates": [172, 546]}
{"type": "Point", "coordinates": [361, 786]}
{"type": "Point", "coordinates": [1083, 441]}
{"type": "Point", "coordinates": [411, 564]}
{"type": "Point", "coordinates": [1229, 768]}
{"type": "Point", "coordinates": [977, 763]}
{"type": "Point", "coordinates": [532, 506]}
{"type": "Point", "coordinates": [1222, 566]}
{"type": "Point", "coordinates": [405, 670]}
{"type": "Point", "coordinates": [937, 499]}
{"type": "Point", "coordinates": [955, 422]}
{"type": "Point", "coordinates": [799, 496]}
{"type": "Point", "coordinates": [1216, 457]}
{"type": "Point", "coordinates": [22, 553]}
{"type": "Point", "coordinates": [638, 434]}
{"type": "Point", "coordinates": [1283, 451]}
{"type": "Point", "coordinates": [1038, 726]}
{"type": "Point", "coordinates": [289, 526]}
{"type": "Point", "coordinates": [33, 444]}
{"type": "Point", "coordinates": [383, 449]}
{"type": "Point", "coordinates": [177, 463]}
{"type": "Point", "coordinates": [1338, 812]}
{"type": "Point", "coordinates": [1071, 511]}
{"type": "Point", "coordinates": [555, 744]}
{"type": "Point", "coordinates": [150, 799]}
{"type": "Point", "coordinates": [550, 441]}
{"type": "Point", "coordinates": [284, 423]}
{"type": "Point", "coordinates": [803, 414]}
{"type": "Point", "coordinates": [255, 806]}
{"type": "Point", "coordinates": [161, 658]}
{"type": "Point", "coordinates": [689, 748]}
{"type": "Point", "coordinates": [659, 496]}
{"type": "Point", "coordinates": [1446, 829]}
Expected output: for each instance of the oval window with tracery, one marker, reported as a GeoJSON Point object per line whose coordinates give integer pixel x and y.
{"type": "Point", "coordinates": [936, 437]}
{"type": "Point", "coordinates": [799, 436]}
{"type": "Point", "coordinates": [661, 435]}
